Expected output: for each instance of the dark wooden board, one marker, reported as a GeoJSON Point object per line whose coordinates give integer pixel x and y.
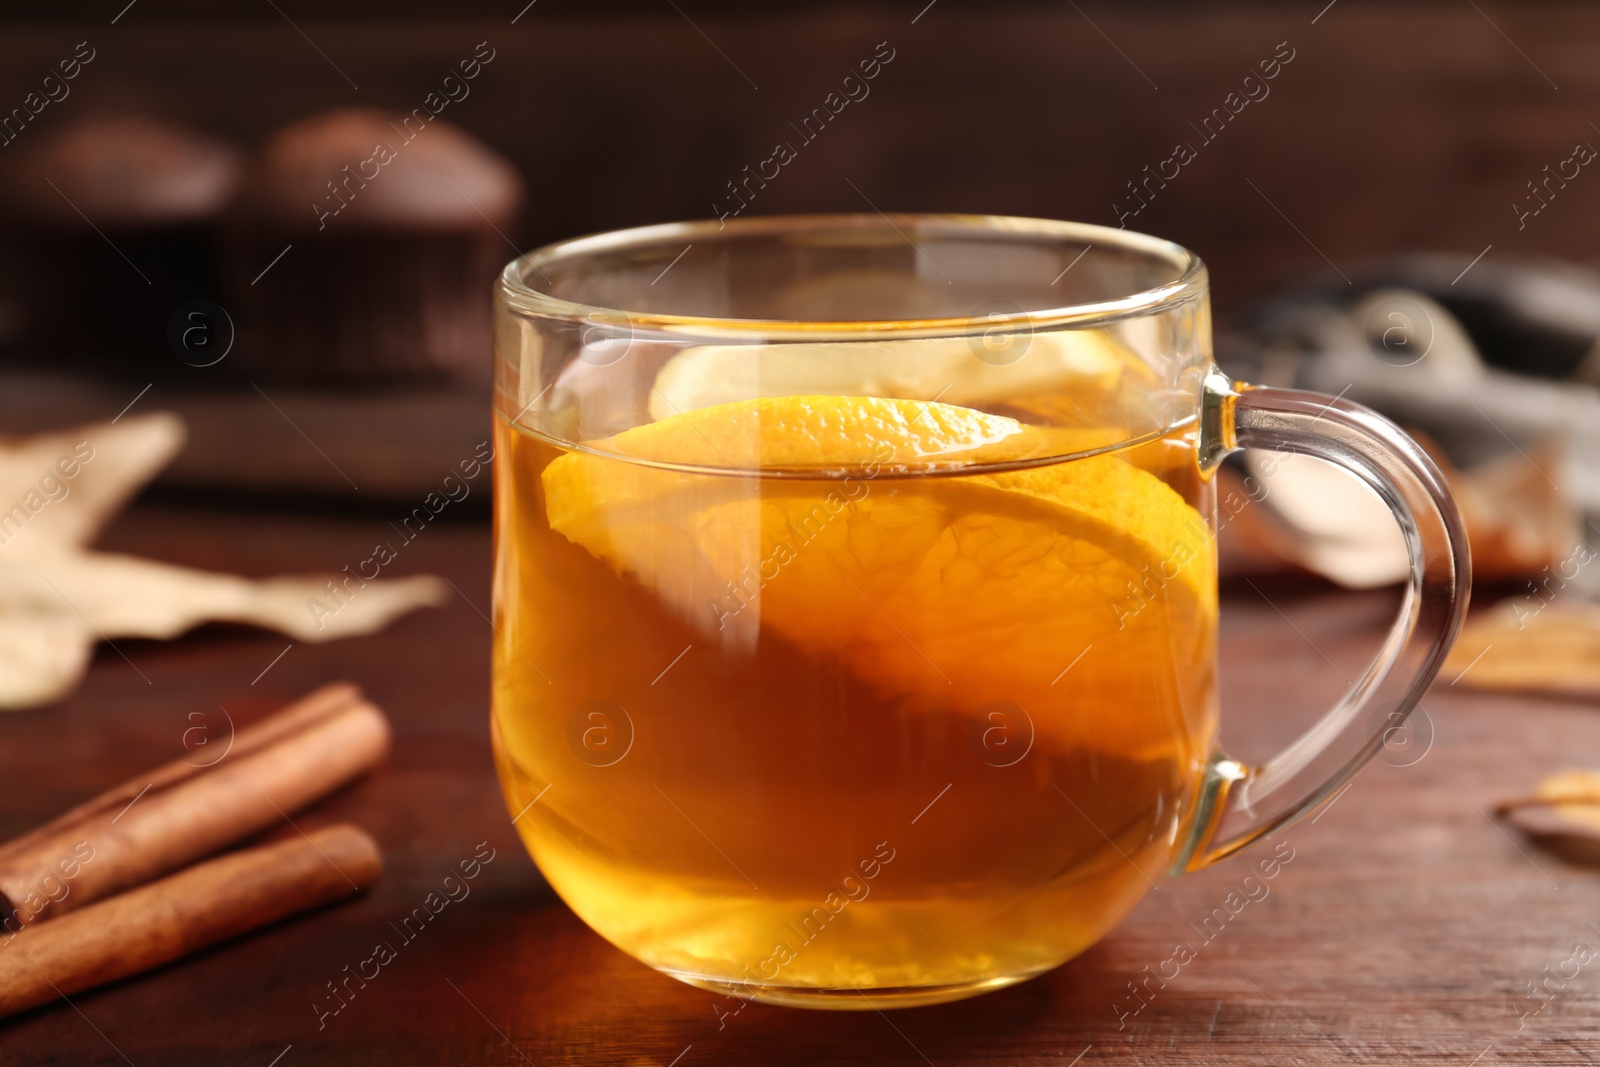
{"type": "Point", "coordinates": [1404, 929]}
{"type": "Point", "coordinates": [361, 449]}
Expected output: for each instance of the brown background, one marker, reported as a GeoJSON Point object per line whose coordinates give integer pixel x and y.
{"type": "Point", "coordinates": [1398, 126]}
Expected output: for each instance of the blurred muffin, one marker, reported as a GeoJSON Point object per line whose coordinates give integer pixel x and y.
{"type": "Point", "coordinates": [106, 229]}
{"type": "Point", "coordinates": [395, 226]}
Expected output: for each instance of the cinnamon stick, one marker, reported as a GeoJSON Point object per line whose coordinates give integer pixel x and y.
{"type": "Point", "coordinates": [166, 919]}
{"type": "Point", "coordinates": [313, 707]}
{"type": "Point", "coordinates": [181, 812]}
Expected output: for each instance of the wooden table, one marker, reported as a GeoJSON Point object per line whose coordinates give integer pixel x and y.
{"type": "Point", "coordinates": [1407, 927]}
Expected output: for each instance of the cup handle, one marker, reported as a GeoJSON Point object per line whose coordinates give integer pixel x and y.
{"type": "Point", "coordinates": [1239, 804]}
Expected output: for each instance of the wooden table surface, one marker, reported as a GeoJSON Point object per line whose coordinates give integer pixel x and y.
{"type": "Point", "coordinates": [1407, 926]}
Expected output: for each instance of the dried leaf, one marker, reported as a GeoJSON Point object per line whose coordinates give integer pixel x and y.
{"type": "Point", "coordinates": [1575, 789]}
{"type": "Point", "coordinates": [58, 598]}
{"type": "Point", "coordinates": [1562, 815]}
{"type": "Point", "coordinates": [1340, 528]}
{"type": "Point", "coordinates": [121, 460]}
{"type": "Point", "coordinates": [1517, 522]}
{"type": "Point", "coordinates": [1532, 645]}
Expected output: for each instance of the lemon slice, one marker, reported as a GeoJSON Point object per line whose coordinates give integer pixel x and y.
{"type": "Point", "coordinates": [968, 584]}
{"type": "Point", "coordinates": [974, 370]}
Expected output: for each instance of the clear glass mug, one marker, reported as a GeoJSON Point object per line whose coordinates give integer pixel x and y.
{"type": "Point", "coordinates": [855, 594]}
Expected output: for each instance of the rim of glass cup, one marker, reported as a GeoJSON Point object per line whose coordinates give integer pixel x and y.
{"type": "Point", "coordinates": [1190, 277]}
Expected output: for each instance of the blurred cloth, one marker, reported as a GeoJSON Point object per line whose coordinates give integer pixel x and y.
{"type": "Point", "coordinates": [1493, 366]}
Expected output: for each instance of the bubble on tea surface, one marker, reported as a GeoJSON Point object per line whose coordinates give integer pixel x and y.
{"type": "Point", "coordinates": [600, 732]}
{"type": "Point", "coordinates": [200, 333]}
{"type": "Point", "coordinates": [1406, 738]}
{"type": "Point", "coordinates": [1000, 343]}
{"type": "Point", "coordinates": [1001, 733]}
{"type": "Point", "coordinates": [606, 334]}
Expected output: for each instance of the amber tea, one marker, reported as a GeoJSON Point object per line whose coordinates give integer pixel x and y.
{"type": "Point", "coordinates": [890, 702]}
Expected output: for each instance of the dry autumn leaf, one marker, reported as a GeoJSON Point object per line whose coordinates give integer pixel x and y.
{"type": "Point", "coordinates": [1529, 644]}
{"type": "Point", "coordinates": [1518, 523]}
{"type": "Point", "coordinates": [1563, 814]}
{"type": "Point", "coordinates": [58, 597]}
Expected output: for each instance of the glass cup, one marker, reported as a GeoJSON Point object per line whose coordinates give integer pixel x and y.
{"type": "Point", "coordinates": [856, 599]}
